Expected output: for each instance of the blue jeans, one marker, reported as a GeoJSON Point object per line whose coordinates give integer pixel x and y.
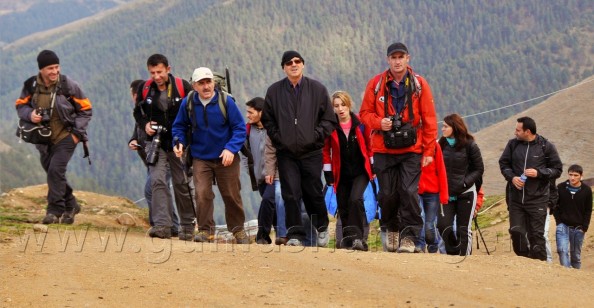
{"type": "Point", "coordinates": [569, 242]}
{"type": "Point", "coordinates": [429, 236]}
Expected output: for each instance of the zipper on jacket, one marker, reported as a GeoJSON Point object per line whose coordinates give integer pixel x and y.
{"type": "Point", "coordinates": [523, 170]}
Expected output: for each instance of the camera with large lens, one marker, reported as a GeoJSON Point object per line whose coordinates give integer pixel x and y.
{"type": "Point", "coordinates": [400, 136]}
{"type": "Point", "coordinates": [396, 122]}
{"type": "Point", "coordinates": [152, 152]}
{"type": "Point", "coordinates": [45, 115]}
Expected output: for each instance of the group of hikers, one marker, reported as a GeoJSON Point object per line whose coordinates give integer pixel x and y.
{"type": "Point", "coordinates": [428, 187]}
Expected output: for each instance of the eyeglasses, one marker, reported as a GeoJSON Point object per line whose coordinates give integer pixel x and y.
{"type": "Point", "coordinates": [291, 62]}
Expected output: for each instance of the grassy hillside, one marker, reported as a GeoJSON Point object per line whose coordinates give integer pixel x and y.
{"type": "Point", "coordinates": [476, 55]}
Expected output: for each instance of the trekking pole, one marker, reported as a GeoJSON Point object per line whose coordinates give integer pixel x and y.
{"type": "Point", "coordinates": [186, 180]}
{"type": "Point", "coordinates": [481, 235]}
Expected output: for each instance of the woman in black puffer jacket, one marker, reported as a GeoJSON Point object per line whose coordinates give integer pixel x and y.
{"type": "Point", "coordinates": [464, 168]}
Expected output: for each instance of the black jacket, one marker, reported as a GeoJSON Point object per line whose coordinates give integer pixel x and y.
{"type": "Point", "coordinates": [539, 154]}
{"type": "Point", "coordinates": [144, 112]}
{"type": "Point", "coordinates": [298, 124]}
{"type": "Point", "coordinates": [464, 167]}
{"type": "Point", "coordinates": [574, 210]}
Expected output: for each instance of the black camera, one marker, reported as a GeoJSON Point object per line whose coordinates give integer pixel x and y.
{"type": "Point", "coordinates": [152, 152]}
{"type": "Point", "coordinates": [45, 115]}
{"type": "Point", "coordinates": [396, 122]}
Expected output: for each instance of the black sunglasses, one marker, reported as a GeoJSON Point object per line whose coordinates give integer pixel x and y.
{"type": "Point", "coordinates": [291, 62]}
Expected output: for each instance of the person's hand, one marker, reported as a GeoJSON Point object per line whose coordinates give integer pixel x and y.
{"type": "Point", "coordinates": [531, 173]}
{"type": "Point", "coordinates": [227, 157]}
{"type": "Point", "coordinates": [133, 145]}
{"type": "Point", "coordinates": [269, 179]}
{"type": "Point", "coordinates": [74, 138]}
{"type": "Point", "coordinates": [386, 124]}
{"type": "Point", "coordinates": [35, 117]}
{"type": "Point", "coordinates": [178, 150]}
{"type": "Point", "coordinates": [427, 160]}
{"type": "Point", "coordinates": [517, 182]}
{"type": "Point", "coordinates": [149, 131]}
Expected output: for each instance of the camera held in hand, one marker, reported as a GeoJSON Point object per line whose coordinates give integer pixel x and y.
{"type": "Point", "coordinates": [45, 115]}
{"type": "Point", "coordinates": [152, 152]}
{"type": "Point", "coordinates": [396, 122]}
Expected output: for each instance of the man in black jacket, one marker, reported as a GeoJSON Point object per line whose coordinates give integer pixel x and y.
{"type": "Point", "coordinates": [157, 104]}
{"type": "Point", "coordinates": [528, 163]}
{"type": "Point", "coordinates": [573, 217]}
{"type": "Point", "coordinates": [298, 117]}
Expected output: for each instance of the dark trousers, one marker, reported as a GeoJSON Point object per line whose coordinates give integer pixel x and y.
{"type": "Point", "coordinates": [266, 213]}
{"type": "Point", "coordinates": [398, 178]}
{"type": "Point", "coordinates": [54, 160]}
{"type": "Point", "coordinates": [349, 198]}
{"type": "Point", "coordinates": [462, 210]}
{"type": "Point", "coordinates": [227, 179]}
{"type": "Point", "coordinates": [527, 222]}
{"type": "Point", "coordinates": [302, 179]}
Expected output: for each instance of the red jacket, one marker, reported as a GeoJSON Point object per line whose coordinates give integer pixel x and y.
{"type": "Point", "coordinates": [331, 151]}
{"type": "Point", "coordinates": [372, 112]}
{"type": "Point", "coordinates": [433, 177]}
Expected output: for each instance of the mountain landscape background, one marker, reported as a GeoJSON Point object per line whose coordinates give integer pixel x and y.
{"type": "Point", "coordinates": [478, 57]}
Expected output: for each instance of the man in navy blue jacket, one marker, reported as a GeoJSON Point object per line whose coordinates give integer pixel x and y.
{"type": "Point", "coordinates": [215, 142]}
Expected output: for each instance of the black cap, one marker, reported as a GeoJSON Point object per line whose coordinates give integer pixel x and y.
{"type": "Point", "coordinates": [290, 54]}
{"type": "Point", "coordinates": [46, 58]}
{"type": "Point", "coordinates": [397, 47]}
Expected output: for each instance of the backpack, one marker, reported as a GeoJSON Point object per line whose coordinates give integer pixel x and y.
{"type": "Point", "coordinates": [179, 85]}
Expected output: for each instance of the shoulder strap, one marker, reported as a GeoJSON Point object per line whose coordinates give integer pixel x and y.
{"type": "Point", "coordinates": [190, 108]}
{"type": "Point", "coordinates": [223, 103]}
{"type": "Point", "coordinates": [146, 88]}
{"type": "Point", "coordinates": [179, 84]}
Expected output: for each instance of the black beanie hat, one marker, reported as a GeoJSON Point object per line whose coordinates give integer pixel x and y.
{"type": "Point", "coordinates": [290, 54]}
{"type": "Point", "coordinates": [47, 57]}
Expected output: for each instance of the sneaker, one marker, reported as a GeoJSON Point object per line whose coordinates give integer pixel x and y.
{"type": "Point", "coordinates": [391, 241]}
{"type": "Point", "coordinates": [359, 245]}
{"type": "Point", "coordinates": [160, 232]}
{"type": "Point", "coordinates": [281, 241]}
{"type": "Point", "coordinates": [186, 234]}
{"type": "Point", "coordinates": [294, 242]}
{"type": "Point", "coordinates": [204, 237]}
{"type": "Point", "coordinates": [50, 219]}
{"type": "Point", "coordinates": [323, 238]}
{"type": "Point", "coordinates": [241, 237]}
{"type": "Point", "coordinates": [406, 245]}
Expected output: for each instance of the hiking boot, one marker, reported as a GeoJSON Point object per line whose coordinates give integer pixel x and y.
{"type": "Point", "coordinates": [392, 241]}
{"type": "Point", "coordinates": [174, 232]}
{"type": "Point", "coordinates": [67, 218]}
{"type": "Point", "coordinates": [294, 242]}
{"type": "Point", "coordinates": [204, 237]}
{"type": "Point", "coordinates": [419, 249]}
{"type": "Point", "coordinates": [323, 238]}
{"type": "Point", "coordinates": [160, 232]}
{"type": "Point", "coordinates": [359, 245]}
{"type": "Point", "coordinates": [241, 237]}
{"type": "Point", "coordinates": [262, 242]}
{"type": "Point", "coordinates": [186, 234]}
{"type": "Point", "coordinates": [50, 219]}
{"type": "Point", "coordinates": [281, 241]}
{"type": "Point", "coordinates": [406, 245]}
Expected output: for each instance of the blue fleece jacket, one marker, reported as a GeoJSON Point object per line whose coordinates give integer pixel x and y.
{"type": "Point", "coordinates": [212, 133]}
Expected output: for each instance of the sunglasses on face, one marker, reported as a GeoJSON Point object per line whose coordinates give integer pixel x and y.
{"type": "Point", "coordinates": [291, 62]}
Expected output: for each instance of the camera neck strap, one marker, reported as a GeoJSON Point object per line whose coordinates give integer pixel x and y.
{"type": "Point", "coordinates": [407, 99]}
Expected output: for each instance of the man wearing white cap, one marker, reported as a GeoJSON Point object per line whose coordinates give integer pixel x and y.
{"type": "Point", "coordinates": [214, 145]}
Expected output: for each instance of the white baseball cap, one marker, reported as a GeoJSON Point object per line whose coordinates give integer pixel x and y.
{"type": "Point", "coordinates": [202, 73]}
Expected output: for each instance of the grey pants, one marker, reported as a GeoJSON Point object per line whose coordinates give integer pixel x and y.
{"type": "Point", "coordinates": [162, 202]}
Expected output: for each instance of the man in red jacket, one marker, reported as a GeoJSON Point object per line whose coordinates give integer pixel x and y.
{"type": "Point", "coordinates": [395, 103]}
